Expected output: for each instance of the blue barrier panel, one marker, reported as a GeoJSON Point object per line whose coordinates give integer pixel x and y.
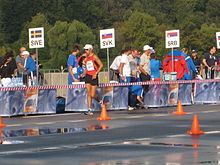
{"type": "Point", "coordinates": [29, 101]}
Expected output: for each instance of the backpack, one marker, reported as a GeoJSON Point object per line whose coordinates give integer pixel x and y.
{"type": "Point", "coordinates": [60, 104]}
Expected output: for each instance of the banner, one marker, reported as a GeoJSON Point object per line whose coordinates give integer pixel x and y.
{"type": "Point", "coordinates": [27, 102]}
{"type": "Point", "coordinates": [206, 92]}
{"type": "Point", "coordinates": [115, 97]}
{"type": "Point", "coordinates": [168, 94]}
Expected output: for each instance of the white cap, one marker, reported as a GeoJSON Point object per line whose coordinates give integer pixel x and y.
{"type": "Point", "coordinates": [88, 46]}
{"type": "Point", "coordinates": [25, 53]}
{"type": "Point", "coordinates": [147, 47]}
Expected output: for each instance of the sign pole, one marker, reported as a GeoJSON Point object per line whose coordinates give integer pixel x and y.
{"type": "Point", "coordinates": [108, 62]}
{"type": "Point", "coordinates": [172, 61]}
{"type": "Point", "coordinates": [37, 68]}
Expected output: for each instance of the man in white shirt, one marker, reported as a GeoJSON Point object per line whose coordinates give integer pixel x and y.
{"type": "Point", "coordinates": [145, 63]}
{"type": "Point", "coordinates": [114, 69]}
{"type": "Point", "coordinates": [124, 67]}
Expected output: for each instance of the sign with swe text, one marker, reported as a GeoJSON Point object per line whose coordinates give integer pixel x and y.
{"type": "Point", "coordinates": [36, 37]}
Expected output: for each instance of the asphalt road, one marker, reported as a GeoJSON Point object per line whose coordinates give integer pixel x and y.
{"type": "Point", "coordinates": [151, 137]}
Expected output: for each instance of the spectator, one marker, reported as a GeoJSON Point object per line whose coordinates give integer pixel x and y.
{"type": "Point", "coordinates": [135, 89]}
{"type": "Point", "coordinates": [30, 67]}
{"type": "Point", "coordinates": [29, 64]}
{"type": "Point", "coordinates": [81, 69]}
{"type": "Point", "coordinates": [190, 65]}
{"type": "Point", "coordinates": [210, 61]}
{"type": "Point", "coordinates": [114, 69]}
{"type": "Point", "coordinates": [145, 63]}
{"type": "Point", "coordinates": [20, 65]}
{"type": "Point", "coordinates": [93, 67]}
{"type": "Point", "coordinates": [197, 62]}
{"type": "Point", "coordinates": [7, 69]}
{"type": "Point", "coordinates": [155, 66]}
{"type": "Point", "coordinates": [39, 66]}
{"type": "Point", "coordinates": [176, 64]}
{"type": "Point", "coordinates": [124, 67]}
{"type": "Point", "coordinates": [72, 64]}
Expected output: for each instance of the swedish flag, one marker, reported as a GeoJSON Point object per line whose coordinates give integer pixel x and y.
{"type": "Point", "coordinates": [36, 34]}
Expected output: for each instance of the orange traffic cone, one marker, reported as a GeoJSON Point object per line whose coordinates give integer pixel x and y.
{"type": "Point", "coordinates": [1, 138]}
{"type": "Point", "coordinates": [104, 115]}
{"type": "Point", "coordinates": [179, 109]}
{"type": "Point", "coordinates": [1, 124]}
{"type": "Point", "coordinates": [195, 130]}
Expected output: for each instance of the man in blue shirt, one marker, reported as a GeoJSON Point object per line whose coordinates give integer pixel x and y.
{"type": "Point", "coordinates": [29, 63]}
{"type": "Point", "coordinates": [72, 65]}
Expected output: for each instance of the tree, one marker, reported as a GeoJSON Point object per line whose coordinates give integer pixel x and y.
{"type": "Point", "coordinates": [63, 36]}
{"type": "Point", "coordinates": [79, 33]}
{"type": "Point", "coordinates": [57, 40]}
{"type": "Point", "coordinates": [140, 29]}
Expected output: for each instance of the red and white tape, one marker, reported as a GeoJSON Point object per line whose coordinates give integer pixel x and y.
{"type": "Point", "coordinates": [107, 84]}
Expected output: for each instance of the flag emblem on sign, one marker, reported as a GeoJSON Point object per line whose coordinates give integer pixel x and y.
{"type": "Point", "coordinates": [218, 37]}
{"type": "Point", "coordinates": [36, 33]}
{"type": "Point", "coordinates": [105, 36]}
{"type": "Point", "coordinates": [172, 34]}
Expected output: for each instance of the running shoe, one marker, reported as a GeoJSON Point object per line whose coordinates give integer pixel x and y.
{"type": "Point", "coordinates": [89, 112]}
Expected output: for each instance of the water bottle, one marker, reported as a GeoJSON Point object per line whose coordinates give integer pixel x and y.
{"type": "Point", "coordinates": [152, 77]}
{"type": "Point", "coordinates": [35, 80]}
{"type": "Point", "coordinates": [29, 81]}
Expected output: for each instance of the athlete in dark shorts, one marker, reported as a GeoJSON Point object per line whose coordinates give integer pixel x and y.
{"type": "Point", "coordinates": [93, 67]}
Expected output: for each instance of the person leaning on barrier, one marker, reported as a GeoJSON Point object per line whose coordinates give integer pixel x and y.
{"type": "Point", "coordinates": [114, 69]}
{"type": "Point", "coordinates": [29, 64]}
{"type": "Point", "coordinates": [210, 61]}
{"type": "Point", "coordinates": [93, 67]}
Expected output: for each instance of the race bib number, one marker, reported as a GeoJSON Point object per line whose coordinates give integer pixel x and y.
{"type": "Point", "coordinates": [74, 70]}
{"type": "Point", "coordinates": [90, 66]}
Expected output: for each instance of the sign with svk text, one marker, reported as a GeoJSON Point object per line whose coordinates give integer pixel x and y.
{"type": "Point", "coordinates": [172, 39]}
{"type": "Point", "coordinates": [107, 38]}
{"type": "Point", "coordinates": [36, 37]}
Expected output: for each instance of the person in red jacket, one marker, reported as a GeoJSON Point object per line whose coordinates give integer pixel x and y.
{"type": "Point", "coordinates": [93, 67]}
{"type": "Point", "coordinates": [178, 63]}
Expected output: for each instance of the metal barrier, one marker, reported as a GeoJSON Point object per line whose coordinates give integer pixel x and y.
{"type": "Point", "coordinates": [58, 77]}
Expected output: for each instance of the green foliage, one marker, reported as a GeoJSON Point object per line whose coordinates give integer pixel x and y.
{"type": "Point", "coordinates": [63, 36]}
{"type": "Point", "coordinates": [139, 30]}
{"type": "Point", "coordinates": [136, 23]}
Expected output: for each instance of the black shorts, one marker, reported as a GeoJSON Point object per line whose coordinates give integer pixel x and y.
{"type": "Point", "coordinates": [89, 80]}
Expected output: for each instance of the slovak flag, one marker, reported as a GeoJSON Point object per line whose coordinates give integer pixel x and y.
{"type": "Point", "coordinates": [218, 37]}
{"type": "Point", "coordinates": [172, 34]}
{"type": "Point", "coordinates": [108, 35]}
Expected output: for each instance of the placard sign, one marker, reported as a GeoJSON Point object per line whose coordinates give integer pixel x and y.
{"type": "Point", "coordinates": [218, 39]}
{"type": "Point", "coordinates": [107, 38]}
{"type": "Point", "coordinates": [36, 37]}
{"type": "Point", "coordinates": [172, 38]}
